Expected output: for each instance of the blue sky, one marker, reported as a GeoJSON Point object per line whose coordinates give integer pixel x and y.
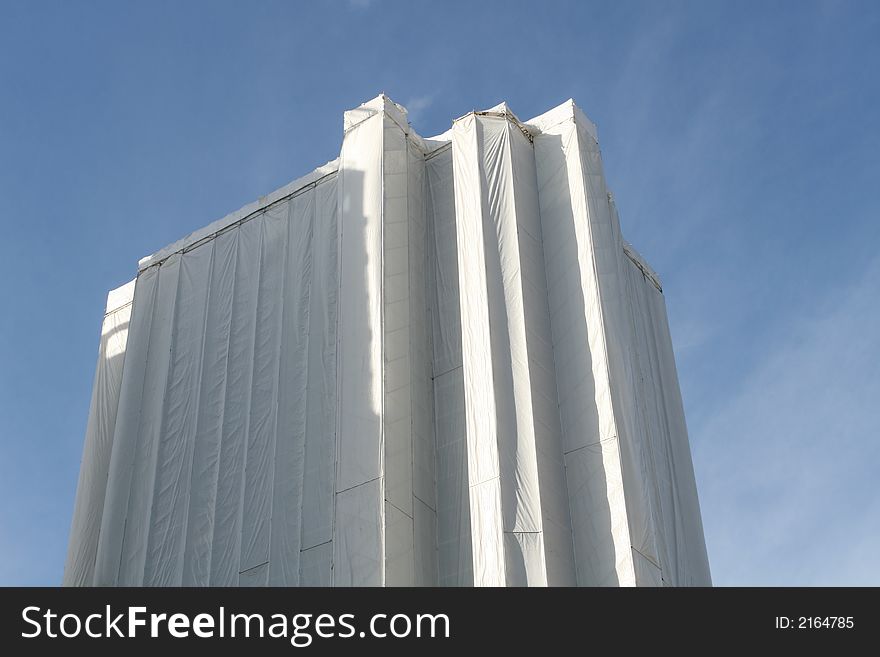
{"type": "Point", "coordinates": [740, 138]}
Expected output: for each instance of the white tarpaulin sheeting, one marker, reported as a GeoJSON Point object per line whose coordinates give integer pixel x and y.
{"type": "Point", "coordinates": [429, 362]}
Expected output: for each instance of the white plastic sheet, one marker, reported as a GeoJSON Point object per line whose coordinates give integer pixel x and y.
{"type": "Point", "coordinates": [428, 362]}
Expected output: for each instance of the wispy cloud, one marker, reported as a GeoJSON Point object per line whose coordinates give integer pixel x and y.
{"type": "Point", "coordinates": [416, 107]}
{"type": "Point", "coordinates": [787, 467]}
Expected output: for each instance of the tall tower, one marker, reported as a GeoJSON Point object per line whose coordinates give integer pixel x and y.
{"type": "Point", "coordinates": [428, 362]}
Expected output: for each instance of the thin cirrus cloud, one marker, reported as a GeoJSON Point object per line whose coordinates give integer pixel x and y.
{"type": "Point", "coordinates": [787, 466]}
{"type": "Point", "coordinates": [416, 108]}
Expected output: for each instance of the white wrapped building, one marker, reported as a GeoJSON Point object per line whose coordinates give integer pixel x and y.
{"type": "Point", "coordinates": [428, 362]}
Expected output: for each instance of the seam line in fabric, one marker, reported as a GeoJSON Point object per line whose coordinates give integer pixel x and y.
{"type": "Point", "coordinates": [312, 547]}
{"type": "Point", "coordinates": [593, 444]}
{"type": "Point", "coordinates": [437, 376]}
{"type": "Point", "coordinates": [238, 222]}
{"type": "Point", "coordinates": [480, 483]}
{"type": "Point", "coordinates": [363, 483]}
{"type": "Point", "coordinates": [650, 559]}
{"type": "Point", "coordinates": [247, 570]}
{"type": "Point", "coordinates": [387, 501]}
{"type": "Point", "coordinates": [117, 309]}
{"type": "Point", "coordinates": [437, 151]}
{"type": "Point", "coordinates": [423, 502]}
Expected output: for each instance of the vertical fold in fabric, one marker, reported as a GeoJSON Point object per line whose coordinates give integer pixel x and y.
{"type": "Point", "coordinates": [509, 358]}
{"type": "Point", "coordinates": [91, 490]}
{"type": "Point", "coordinates": [424, 495]}
{"type": "Point", "coordinates": [680, 558]}
{"type": "Point", "coordinates": [399, 355]}
{"type": "Point", "coordinates": [211, 410]}
{"type": "Point", "coordinates": [687, 543]}
{"type": "Point", "coordinates": [125, 434]}
{"type": "Point", "coordinates": [358, 552]}
{"type": "Point", "coordinates": [580, 264]}
{"type": "Point", "coordinates": [262, 421]}
{"type": "Point", "coordinates": [149, 427]}
{"type": "Point", "coordinates": [227, 524]}
{"type": "Point", "coordinates": [539, 388]}
{"type": "Point", "coordinates": [287, 458]}
{"type": "Point", "coordinates": [453, 517]}
{"type": "Point", "coordinates": [621, 343]}
{"type": "Point", "coordinates": [484, 490]}
{"type": "Point", "coordinates": [408, 403]}
{"type": "Point", "coordinates": [173, 474]}
{"type": "Point", "coordinates": [319, 468]}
